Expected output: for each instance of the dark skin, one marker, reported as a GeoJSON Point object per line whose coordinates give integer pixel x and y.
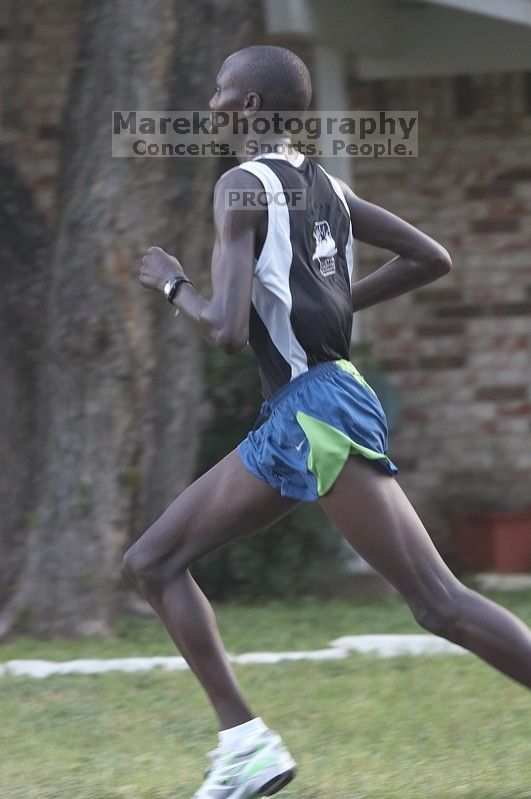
{"type": "Point", "coordinates": [368, 507]}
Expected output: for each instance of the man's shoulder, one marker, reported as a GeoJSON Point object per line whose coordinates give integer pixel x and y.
{"type": "Point", "coordinates": [232, 201]}
{"type": "Point", "coordinates": [237, 178]}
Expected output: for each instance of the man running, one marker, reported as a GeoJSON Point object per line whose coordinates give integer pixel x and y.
{"type": "Point", "coordinates": [281, 281]}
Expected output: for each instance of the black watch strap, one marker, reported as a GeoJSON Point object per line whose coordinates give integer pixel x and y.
{"type": "Point", "coordinates": [175, 283]}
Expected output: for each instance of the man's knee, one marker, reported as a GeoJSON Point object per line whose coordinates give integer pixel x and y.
{"type": "Point", "coordinates": [144, 569]}
{"type": "Point", "coordinates": [442, 613]}
{"type": "Point", "coordinates": [136, 564]}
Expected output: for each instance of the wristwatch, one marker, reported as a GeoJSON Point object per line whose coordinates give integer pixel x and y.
{"type": "Point", "coordinates": [170, 287]}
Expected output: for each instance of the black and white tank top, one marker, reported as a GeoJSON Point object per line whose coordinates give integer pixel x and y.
{"type": "Point", "coordinates": [301, 304]}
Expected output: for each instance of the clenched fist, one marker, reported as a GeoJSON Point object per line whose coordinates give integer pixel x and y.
{"type": "Point", "coordinates": [158, 267]}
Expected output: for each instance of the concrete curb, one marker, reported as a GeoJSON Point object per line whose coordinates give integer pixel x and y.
{"type": "Point", "coordinates": [383, 646]}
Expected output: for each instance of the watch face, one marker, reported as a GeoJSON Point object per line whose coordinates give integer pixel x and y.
{"type": "Point", "coordinates": [167, 288]}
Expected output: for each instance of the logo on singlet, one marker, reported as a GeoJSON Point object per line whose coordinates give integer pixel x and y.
{"type": "Point", "coordinates": [325, 248]}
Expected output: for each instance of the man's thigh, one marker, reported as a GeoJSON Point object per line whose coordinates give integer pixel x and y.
{"type": "Point", "coordinates": [226, 503]}
{"type": "Point", "coordinates": [378, 520]}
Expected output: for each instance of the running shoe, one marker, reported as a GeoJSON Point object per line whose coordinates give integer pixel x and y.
{"type": "Point", "coordinates": [262, 768]}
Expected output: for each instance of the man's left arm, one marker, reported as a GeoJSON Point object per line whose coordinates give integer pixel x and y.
{"type": "Point", "coordinates": [419, 258]}
{"type": "Point", "coordinates": [223, 320]}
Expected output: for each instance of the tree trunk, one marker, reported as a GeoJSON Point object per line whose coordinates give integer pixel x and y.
{"type": "Point", "coordinates": [23, 239]}
{"type": "Point", "coordinates": [120, 384]}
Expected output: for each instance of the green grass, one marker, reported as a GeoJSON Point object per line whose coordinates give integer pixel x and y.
{"type": "Point", "coordinates": [361, 728]}
{"type": "Point", "coordinates": [278, 625]}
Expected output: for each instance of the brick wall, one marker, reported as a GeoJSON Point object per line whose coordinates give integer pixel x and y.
{"type": "Point", "coordinates": [38, 44]}
{"type": "Point", "coordinates": [458, 350]}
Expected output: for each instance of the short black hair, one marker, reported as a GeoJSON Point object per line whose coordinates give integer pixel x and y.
{"type": "Point", "coordinates": [278, 75]}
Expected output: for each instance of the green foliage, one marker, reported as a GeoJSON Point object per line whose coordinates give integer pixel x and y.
{"type": "Point", "coordinates": [82, 508]}
{"type": "Point", "coordinates": [130, 478]}
{"type": "Point", "coordinates": [31, 521]}
{"type": "Point", "coordinates": [362, 357]}
{"type": "Point", "coordinates": [26, 617]}
{"type": "Point", "coordinates": [84, 579]}
{"type": "Point", "coordinates": [31, 355]}
{"type": "Point", "coordinates": [233, 389]}
{"type": "Point", "coordinates": [296, 555]}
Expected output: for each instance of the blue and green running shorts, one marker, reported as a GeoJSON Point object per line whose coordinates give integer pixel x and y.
{"type": "Point", "coordinates": [307, 429]}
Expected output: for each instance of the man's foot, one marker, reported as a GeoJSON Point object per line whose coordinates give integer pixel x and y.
{"type": "Point", "coordinates": [261, 769]}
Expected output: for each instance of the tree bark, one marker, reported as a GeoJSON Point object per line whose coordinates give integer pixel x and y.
{"type": "Point", "coordinates": [120, 378]}
{"type": "Point", "coordinates": [23, 240]}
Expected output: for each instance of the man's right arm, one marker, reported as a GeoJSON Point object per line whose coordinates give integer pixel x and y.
{"type": "Point", "coordinates": [223, 320]}
{"type": "Point", "coordinates": [419, 258]}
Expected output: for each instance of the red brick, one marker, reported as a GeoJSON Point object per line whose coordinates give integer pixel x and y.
{"type": "Point", "coordinates": [514, 244]}
{"type": "Point", "coordinates": [487, 191]}
{"type": "Point", "coordinates": [493, 309]}
{"type": "Point", "coordinates": [395, 364]}
{"type": "Point", "coordinates": [442, 362]}
{"type": "Point", "coordinates": [44, 181]}
{"type": "Point", "coordinates": [415, 414]}
{"type": "Point", "coordinates": [507, 224]}
{"type": "Point", "coordinates": [441, 329]}
{"type": "Point", "coordinates": [520, 409]}
{"type": "Point", "coordinates": [433, 192]}
{"type": "Point", "coordinates": [405, 463]}
{"type": "Point", "coordinates": [509, 342]}
{"type": "Point", "coordinates": [509, 309]}
{"type": "Point", "coordinates": [448, 294]}
{"type": "Point", "coordinates": [465, 310]}
{"type": "Point", "coordinates": [48, 132]}
{"type": "Point", "coordinates": [489, 426]}
{"type": "Point", "coordinates": [515, 174]}
{"type": "Point", "coordinates": [493, 393]}
{"type": "Point", "coordinates": [390, 330]}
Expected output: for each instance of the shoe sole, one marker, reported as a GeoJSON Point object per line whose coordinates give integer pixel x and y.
{"type": "Point", "coordinates": [277, 783]}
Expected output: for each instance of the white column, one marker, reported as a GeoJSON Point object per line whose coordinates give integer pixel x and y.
{"type": "Point", "coordinates": [330, 94]}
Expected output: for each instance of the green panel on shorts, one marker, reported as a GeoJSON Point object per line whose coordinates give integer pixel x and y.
{"type": "Point", "coordinates": [329, 450]}
{"type": "Point", "coordinates": [349, 367]}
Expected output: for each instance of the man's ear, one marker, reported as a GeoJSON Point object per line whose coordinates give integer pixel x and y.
{"type": "Point", "coordinates": [252, 103]}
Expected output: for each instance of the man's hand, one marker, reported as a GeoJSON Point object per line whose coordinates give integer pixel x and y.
{"type": "Point", "coordinates": [158, 267]}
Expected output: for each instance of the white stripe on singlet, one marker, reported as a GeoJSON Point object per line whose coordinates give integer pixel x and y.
{"type": "Point", "coordinates": [271, 295]}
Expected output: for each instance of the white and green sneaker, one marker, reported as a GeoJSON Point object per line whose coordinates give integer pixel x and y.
{"type": "Point", "coordinates": [261, 769]}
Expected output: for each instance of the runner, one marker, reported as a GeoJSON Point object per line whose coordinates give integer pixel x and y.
{"type": "Point", "coordinates": [281, 281]}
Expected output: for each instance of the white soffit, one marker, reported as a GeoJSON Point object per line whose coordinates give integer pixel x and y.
{"type": "Point", "coordinates": [517, 11]}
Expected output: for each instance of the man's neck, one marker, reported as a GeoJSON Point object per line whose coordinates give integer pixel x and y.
{"type": "Point", "coordinates": [280, 145]}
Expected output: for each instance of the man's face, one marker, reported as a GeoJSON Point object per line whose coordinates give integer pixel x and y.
{"type": "Point", "coordinates": [228, 95]}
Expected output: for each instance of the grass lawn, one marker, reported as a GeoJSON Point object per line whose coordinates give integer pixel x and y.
{"type": "Point", "coordinates": [403, 728]}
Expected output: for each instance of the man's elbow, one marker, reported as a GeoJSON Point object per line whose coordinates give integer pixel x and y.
{"type": "Point", "coordinates": [230, 343]}
{"type": "Point", "coordinates": [438, 261]}
{"type": "Point", "coordinates": [222, 336]}
{"type": "Point", "coordinates": [232, 346]}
